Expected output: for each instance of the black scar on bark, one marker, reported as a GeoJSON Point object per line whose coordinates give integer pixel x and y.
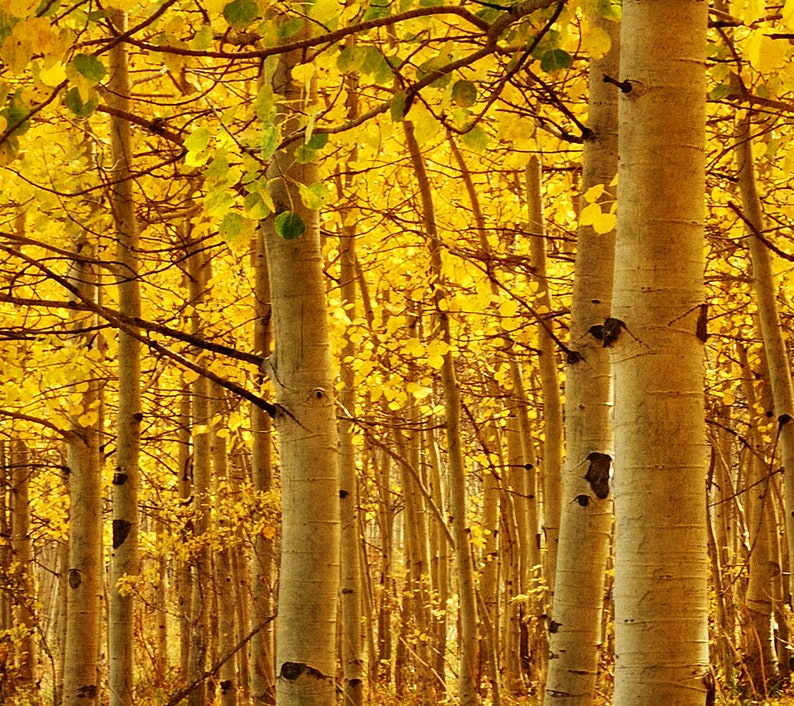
{"type": "Point", "coordinates": [782, 420]}
{"type": "Point", "coordinates": [121, 528]}
{"type": "Point", "coordinates": [611, 330]}
{"type": "Point", "coordinates": [75, 579]}
{"type": "Point", "coordinates": [701, 329]}
{"type": "Point", "coordinates": [119, 478]}
{"type": "Point", "coordinates": [343, 494]}
{"type": "Point", "coordinates": [598, 473]}
{"type": "Point", "coordinates": [226, 686]}
{"type": "Point", "coordinates": [292, 670]}
{"type": "Point", "coordinates": [583, 500]}
{"type": "Point", "coordinates": [554, 626]}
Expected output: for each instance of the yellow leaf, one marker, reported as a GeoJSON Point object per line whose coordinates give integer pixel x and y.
{"type": "Point", "coordinates": [54, 75]}
{"type": "Point", "coordinates": [604, 223]}
{"type": "Point", "coordinates": [594, 193]}
{"type": "Point", "coordinates": [596, 42]}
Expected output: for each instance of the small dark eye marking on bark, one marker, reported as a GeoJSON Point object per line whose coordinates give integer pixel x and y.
{"type": "Point", "coordinates": [554, 626]}
{"type": "Point", "coordinates": [598, 473]}
{"type": "Point", "coordinates": [121, 529]}
{"type": "Point", "coordinates": [119, 478]}
{"type": "Point", "coordinates": [292, 670]}
{"type": "Point", "coordinates": [701, 329]}
{"type": "Point", "coordinates": [343, 494]}
{"type": "Point", "coordinates": [611, 331]}
{"type": "Point", "coordinates": [782, 420]}
{"type": "Point", "coordinates": [75, 579]}
{"type": "Point", "coordinates": [583, 500]}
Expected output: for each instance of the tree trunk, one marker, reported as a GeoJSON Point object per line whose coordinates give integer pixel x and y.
{"type": "Point", "coordinates": [300, 369]}
{"type": "Point", "coordinates": [124, 558]}
{"type": "Point", "coordinates": [656, 333]}
{"type": "Point", "coordinates": [84, 594]}
{"type": "Point", "coordinates": [586, 520]}
{"type": "Point", "coordinates": [467, 671]}
{"type": "Point", "coordinates": [263, 678]}
{"type": "Point", "coordinates": [22, 557]}
{"type": "Point", "coordinates": [551, 457]}
{"type": "Point", "coordinates": [771, 331]}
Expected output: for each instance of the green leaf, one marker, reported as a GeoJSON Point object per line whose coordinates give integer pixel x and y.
{"type": "Point", "coordinates": [397, 107]}
{"type": "Point", "coordinates": [270, 140]}
{"type": "Point", "coordinates": [202, 40]}
{"type": "Point", "coordinates": [254, 207]}
{"type": "Point", "coordinates": [240, 13]}
{"type": "Point", "coordinates": [315, 195]}
{"type": "Point", "coordinates": [376, 10]}
{"type": "Point", "coordinates": [290, 225]}
{"type": "Point", "coordinates": [464, 94]}
{"type": "Point", "coordinates": [231, 226]}
{"type": "Point", "coordinates": [351, 59]}
{"type": "Point", "coordinates": [555, 60]}
{"type": "Point", "coordinates": [304, 154]}
{"type": "Point", "coordinates": [317, 141]}
{"type": "Point", "coordinates": [610, 9]}
{"type": "Point", "coordinates": [290, 27]}
{"type": "Point", "coordinates": [90, 67]}
{"type": "Point", "coordinates": [476, 139]}
{"type": "Point", "coordinates": [74, 102]}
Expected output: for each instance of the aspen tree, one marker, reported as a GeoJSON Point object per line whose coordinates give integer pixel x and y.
{"type": "Point", "coordinates": [551, 456]}
{"type": "Point", "coordinates": [761, 660]}
{"type": "Point", "coordinates": [124, 563]}
{"type": "Point", "coordinates": [305, 419]}
{"type": "Point", "coordinates": [263, 678]}
{"type": "Point", "coordinates": [198, 646]}
{"type": "Point", "coordinates": [777, 359]}
{"type": "Point", "coordinates": [468, 639]}
{"type": "Point", "coordinates": [656, 333]}
{"type": "Point", "coordinates": [586, 519]}
{"type": "Point", "coordinates": [353, 657]}
{"type": "Point", "coordinates": [84, 568]}
{"type": "Point", "coordinates": [22, 558]}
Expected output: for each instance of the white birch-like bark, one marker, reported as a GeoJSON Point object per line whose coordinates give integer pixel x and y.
{"type": "Point", "coordinates": [551, 457]}
{"type": "Point", "coordinates": [124, 557]}
{"type": "Point", "coordinates": [657, 333]}
{"type": "Point", "coordinates": [263, 678]}
{"type": "Point", "coordinates": [22, 558]}
{"type": "Point", "coordinates": [777, 359]}
{"type": "Point", "coordinates": [761, 660]}
{"type": "Point", "coordinates": [586, 519]}
{"type": "Point", "coordinates": [468, 637]}
{"type": "Point", "coordinates": [198, 267]}
{"type": "Point", "coordinates": [300, 370]}
{"type": "Point", "coordinates": [84, 570]}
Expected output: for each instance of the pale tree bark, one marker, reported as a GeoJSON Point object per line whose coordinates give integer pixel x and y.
{"type": "Point", "coordinates": [468, 637]}
{"type": "Point", "coordinates": [761, 660]}
{"type": "Point", "coordinates": [586, 519]}
{"type": "Point", "coordinates": [185, 488]}
{"type": "Point", "coordinates": [22, 560]}
{"type": "Point", "coordinates": [656, 333]}
{"type": "Point", "coordinates": [200, 597]}
{"type": "Point", "coordinates": [263, 678]}
{"type": "Point", "coordinates": [769, 317]}
{"type": "Point", "coordinates": [84, 570]}
{"type": "Point", "coordinates": [124, 557]}
{"type": "Point", "coordinates": [300, 370]}
{"type": "Point", "coordinates": [353, 658]}
{"type": "Point", "coordinates": [551, 456]}
{"type": "Point", "coordinates": [228, 635]}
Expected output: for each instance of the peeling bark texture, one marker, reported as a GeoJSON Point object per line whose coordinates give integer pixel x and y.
{"type": "Point", "coordinates": [661, 560]}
